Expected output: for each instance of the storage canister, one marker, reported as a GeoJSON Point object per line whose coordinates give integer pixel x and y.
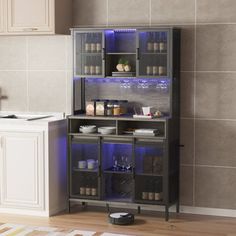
{"type": "Point", "coordinates": [101, 107]}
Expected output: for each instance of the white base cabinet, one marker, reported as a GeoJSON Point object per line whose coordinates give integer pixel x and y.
{"type": "Point", "coordinates": [33, 169]}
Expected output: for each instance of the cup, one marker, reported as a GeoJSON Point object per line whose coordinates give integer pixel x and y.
{"type": "Point", "coordinates": [147, 110]}
{"type": "Point", "coordinates": [91, 164]}
{"type": "Point", "coordinates": [82, 164]}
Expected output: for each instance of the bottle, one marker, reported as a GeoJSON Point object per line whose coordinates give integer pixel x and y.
{"type": "Point", "coordinates": [151, 190]}
{"type": "Point", "coordinates": [157, 190]}
{"type": "Point", "coordinates": [163, 42]}
{"type": "Point", "coordinates": [92, 67]}
{"type": "Point", "coordinates": [86, 67]}
{"type": "Point", "coordinates": [98, 43]}
{"type": "Point", "coordinates": [94, 187]}
{"type": "Point", "coordinates": [88, 187]}
{"type": "Point", "coordinates": [156, 43]}
{"type": "Point", "coordinates": [87, 43]}
{"type": "Point", "coordinates": [82, 187]}
{"type": "Point", "coordinates": [150, 43]}
{"type": "Point", "coordinates": [93, 44]}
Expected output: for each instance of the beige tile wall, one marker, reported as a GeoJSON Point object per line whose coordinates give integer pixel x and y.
{"type": "Point", "coordinates": [35, 73]}
{"type": "Point", "coordinates": [208, 82]}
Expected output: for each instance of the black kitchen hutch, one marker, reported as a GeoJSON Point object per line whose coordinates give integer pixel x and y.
{"type": "Point", "coordinates": [127, 168]}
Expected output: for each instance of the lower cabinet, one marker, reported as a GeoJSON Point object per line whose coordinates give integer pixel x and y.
{"type": "Point", "coordinates": [123, 168]}
{"type": "Point", "coordinates": [33, 178]}
{"type": "Point", "coordinates": [22, 170]}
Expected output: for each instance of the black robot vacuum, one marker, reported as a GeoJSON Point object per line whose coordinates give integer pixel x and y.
{"type": "Point", "coordinates": [121, 218]}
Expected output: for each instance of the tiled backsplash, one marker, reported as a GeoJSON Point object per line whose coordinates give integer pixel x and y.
{"type": "Point", "coordinates": [208, 68]}
{"type": "Point", "coordinates": [35, 74]}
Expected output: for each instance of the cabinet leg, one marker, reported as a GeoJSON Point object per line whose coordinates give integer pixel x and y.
{"type": "Point", "coordinates": [139, 209]}
{"type": "Point", "coordinates": [69, 207]}
{"type": "Point", "coordinates": [84, 205]}
{"type": "Point", "coordinates": [166, 213]}
{"type": "Point", "coordinates": [108, 208]}
{"type": "Point", "coordinates": [177, 207]}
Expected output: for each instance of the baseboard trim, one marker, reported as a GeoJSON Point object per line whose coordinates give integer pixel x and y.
{"type": "Point", "coordinates": [24, 212]}
{"type": "Point", "coordinates": [183, 209]}
{"type": "Point", "coordinates": [208, 211]}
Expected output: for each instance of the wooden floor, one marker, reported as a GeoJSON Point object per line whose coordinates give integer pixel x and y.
{"type": "Point", "coordinates": [145, 224]}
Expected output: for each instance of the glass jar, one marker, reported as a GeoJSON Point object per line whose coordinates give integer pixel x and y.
{"type": "Point", "coordinates": [116, 109]}
{"type": "Point", "coordinates": [110, 107]}
{"type": "Point", "coordinates": [123, 106]}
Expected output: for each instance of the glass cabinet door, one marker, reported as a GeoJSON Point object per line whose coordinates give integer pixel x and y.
{"type": "Point", "coordinates": [149, 169]}
{"type": "Point", "coordinates": [117, 167]}
{"type": "Point", "coordinates": [89, 54]}
{"type": "Point", "coordinates": [153, 53]}
{"type": "Point", "coordinates": [84, 169]}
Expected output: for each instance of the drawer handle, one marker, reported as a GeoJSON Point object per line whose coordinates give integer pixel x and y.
{"type": "Point", "coordinates": [30, 29]}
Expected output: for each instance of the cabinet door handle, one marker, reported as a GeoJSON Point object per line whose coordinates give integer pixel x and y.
{"type": "Point", "coordinates": [30, 29]}
{"type": "Point", "coordinates": [137, 54]}
{"type": "Point", "coordinates": [103, 54]}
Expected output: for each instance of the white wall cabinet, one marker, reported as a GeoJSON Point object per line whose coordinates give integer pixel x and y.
{"type": "Point", "coordinates": [33, 176]}
{"type": "Point", "coordinates": [37, 16]}
{"type": "Point", "coordinates": [1, 17]}
{"type": "Point", "coordinates": [21, 170]}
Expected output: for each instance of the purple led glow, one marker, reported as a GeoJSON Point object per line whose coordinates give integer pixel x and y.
{"type": "Point", "coordinates": [131, 80]}
{"type": "Point", "coordinates": [121, 31]}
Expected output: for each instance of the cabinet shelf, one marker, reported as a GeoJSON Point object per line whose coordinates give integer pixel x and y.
{"type": "Point", "coordinates": [121, 53]}
{"type": "Point", "coordinates": [84, 196]}
{"type": "Point", "coordinates": [118, 199]}
{"type": "Point", "coordinates": [147, 174]}
{"type": "Point", "coordinates": [153, 53]}
{"type": "Point", "coordinates": [85, 170]}
{"type": "Point", "coordinates": [152, 202]}
{"type": "Point", "coordinates": [90, 53]}
{"type": "Point", "coordinates": [118, 172]}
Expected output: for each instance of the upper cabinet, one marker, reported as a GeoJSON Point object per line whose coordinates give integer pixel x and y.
{"type": "Point", "coordinates": [143, 53]}
{"type": "Point", "coordinates": [1, 17]}
{"type": "Point", "coordinates": [36, 16]}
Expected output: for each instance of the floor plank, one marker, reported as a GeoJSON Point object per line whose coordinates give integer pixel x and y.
{"type": "Point", "coordinates": [146, 224]}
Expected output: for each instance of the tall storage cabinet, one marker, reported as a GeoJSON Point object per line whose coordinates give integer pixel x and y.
{"type": "Point", "coordinates": [129, 169]}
